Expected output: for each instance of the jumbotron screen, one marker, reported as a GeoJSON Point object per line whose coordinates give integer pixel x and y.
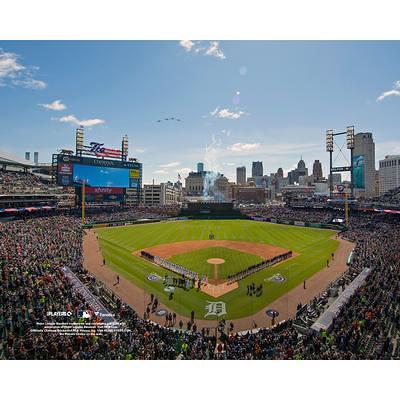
{"type": "Point", "coordinates": [100, 176]}
{"type": "Point", "coordinates": [74, 171]}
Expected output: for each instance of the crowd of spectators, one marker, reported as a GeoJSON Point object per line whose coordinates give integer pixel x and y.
{"type": "Point", "coordinates": [33, 253]}
{"type": "Point", "coordinates": [389, 199]}
{"type": "Point", "coordinates": [282, 213]}
{"type": "Point", "coordinates": [15, 182]}
{"type": "Point", "coordinates": [114, 214]}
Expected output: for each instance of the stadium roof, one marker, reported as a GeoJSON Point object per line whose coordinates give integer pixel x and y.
{"type": "Point", "coordinates": [7, 158]}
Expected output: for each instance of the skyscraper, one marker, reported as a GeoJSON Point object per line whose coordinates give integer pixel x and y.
{"type": "Point", "coordinates": [257, 169]}
{"type": "Point", "coordinates": [36, 157]}
{"type": "Point", "coordinates": [241, 175]}
{"type": "Point", "coordinates": [301, 168]}
{"type": "Point", "coordinates": [200, 167]}
{"type": "Point", "coordinates": [279, 173]}
{"type": "Point", "coordinates": [364, 164]}
{"type": "Point", "coordinates": [317, 169]}
{"type": "Point", "coordinates": [389, 173]}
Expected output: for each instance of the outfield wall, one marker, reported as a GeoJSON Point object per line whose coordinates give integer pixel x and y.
{"type": "Point", "coordinates": [100, 224]}
{"type": "Point", "coordinates": [300, 223]}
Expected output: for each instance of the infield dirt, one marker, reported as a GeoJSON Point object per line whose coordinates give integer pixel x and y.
{"type": "Point", "coordinates": [167, 250]}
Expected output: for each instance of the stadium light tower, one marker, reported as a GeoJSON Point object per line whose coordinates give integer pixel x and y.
{"type": "Point", "coordinates": [330, 143]}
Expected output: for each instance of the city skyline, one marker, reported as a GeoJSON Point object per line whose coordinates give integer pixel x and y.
{"type": "Point", "coordinates": [223, 103]}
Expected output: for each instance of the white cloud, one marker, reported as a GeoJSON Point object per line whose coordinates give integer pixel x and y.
{"type": "Point", "coordinates": [9, 66]}
{"type": "Point", "coordinates": [161, 172]}
{"type": "Point", "coordinates": [13, 73]}
{"type": "Point", "coordinates": [56, 105]}
{"type": "Point", "coordinates": [226, 113]}
{"type": "Point", "coordinates": [270, 149]}
{"type": "Point", "coordinates": [170, 165]}
{"type": "Point", "coordinates": [139, 150]}
{"type": "Point", "coordinates": [183, 171]}
{"type": "Point", "coordinates": [212, 49]}
{"type": "Point", "coordinates": [85, 122]}
{"type": "Point", "coordinates": [393, 92]}
{"type": "Point", "coordinates": [29, 83]}
{"type": "Point", "coordinates": [187, 44]}
{"type": "Point", "coordinates": [237, 147]}
{"type": "Point", "coordinates": [215, 51]}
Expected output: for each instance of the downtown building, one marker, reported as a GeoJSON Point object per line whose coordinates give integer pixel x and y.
{"type": "Point", "coordinates": [364, 151]}
{"type": "Point", "coordinates": [248, 195]}
{"type": "Point", "coordinates": [241, 175]}
{"type": "Point", "coordinates": [317, 170]}
{"type": "Point", "coordinates": [219, 190]}
{"type": "Point", "coordinates": [295, 174]}
{"type": "Point", "coordinates": [389, 173]}
{"type": "Point", "coordinates": [257, 169]}
{"type": "Point", "coordinates": [167, 193]}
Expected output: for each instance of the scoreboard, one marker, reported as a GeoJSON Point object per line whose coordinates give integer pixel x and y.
{"type": "Point", "coordinates": [105, 180]}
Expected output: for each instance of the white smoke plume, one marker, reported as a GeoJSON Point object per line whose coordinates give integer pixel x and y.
{"type": "Point", "coordinates": [211, 157]}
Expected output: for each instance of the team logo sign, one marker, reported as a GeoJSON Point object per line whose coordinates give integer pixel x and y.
{"type": "Point", "coordinates": [161, 312]}
{"type": "Point", "coordinates": [272, 313]}
{"type": "Point", "coordinates": [153, 277]}
{"type": "Point", "coordinates": [216, 308]}
{"type": "Point", "coordinates": [276, 278]}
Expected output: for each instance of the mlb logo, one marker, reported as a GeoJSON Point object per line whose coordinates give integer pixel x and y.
{"type": "Point", "coordinates": [85, 314]}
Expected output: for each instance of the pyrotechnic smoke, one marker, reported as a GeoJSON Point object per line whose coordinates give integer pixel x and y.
{"type": "Point", "coordinates": [211, 161]}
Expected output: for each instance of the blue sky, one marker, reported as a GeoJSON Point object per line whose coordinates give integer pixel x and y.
{"type": "Point", "coordinates": [238, 101]}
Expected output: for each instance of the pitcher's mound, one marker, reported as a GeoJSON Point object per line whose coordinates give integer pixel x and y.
{"type": "Point", "coordinates": [215, 261]}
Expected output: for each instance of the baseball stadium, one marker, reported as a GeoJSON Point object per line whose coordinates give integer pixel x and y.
{"type": "Point", "coordinates": [90, 271]}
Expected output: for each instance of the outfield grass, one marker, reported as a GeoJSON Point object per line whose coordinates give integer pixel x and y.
{"type": "Point", "coordinates": [235, 261]}
{"type": "Point", "coordinates": [314, 247]}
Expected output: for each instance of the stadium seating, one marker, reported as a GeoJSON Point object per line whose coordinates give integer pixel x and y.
{"type": "Point", "coordinates": [33, 253]}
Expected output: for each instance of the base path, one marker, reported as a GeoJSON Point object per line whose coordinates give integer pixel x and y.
{"type": "Point", "coordinates": [285, 305]}
{"type": "Point", "coordinates": [219, 290]}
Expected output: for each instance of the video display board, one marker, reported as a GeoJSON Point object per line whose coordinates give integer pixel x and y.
{"type": "Point", "coordinates": [103, 194]}
{"type": "Point", "coordinates": [74, 171]}
{"type": "Point", "coordinates": [100, 176]}
{"type": "Point", "coordinates": [358, 172]}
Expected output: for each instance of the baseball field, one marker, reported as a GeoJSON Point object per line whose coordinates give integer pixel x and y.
{"type": "Point", "coordinates": [237, 244]}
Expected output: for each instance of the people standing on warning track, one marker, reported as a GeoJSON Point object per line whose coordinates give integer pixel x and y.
{"type": "Point", "coordinates": [304, 284]}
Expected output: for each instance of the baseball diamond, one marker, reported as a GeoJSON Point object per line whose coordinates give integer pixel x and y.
{"type": "Point", "coordinates": [239, 243]}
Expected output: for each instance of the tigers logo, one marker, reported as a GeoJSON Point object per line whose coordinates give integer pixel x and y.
{"type": "Point", "coordinates": [217, 308]}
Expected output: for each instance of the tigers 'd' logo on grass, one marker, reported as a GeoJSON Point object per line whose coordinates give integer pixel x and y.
{"type": "Point", "coordinates": [216, 308]}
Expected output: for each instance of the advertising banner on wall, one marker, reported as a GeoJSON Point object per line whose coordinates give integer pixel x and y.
{"type": "Point", "coordinates": [299, 223]}
{"type": "Point", "coordinates": [103, 190]}
{"type": "Point", "coordinates": [358, 172]}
